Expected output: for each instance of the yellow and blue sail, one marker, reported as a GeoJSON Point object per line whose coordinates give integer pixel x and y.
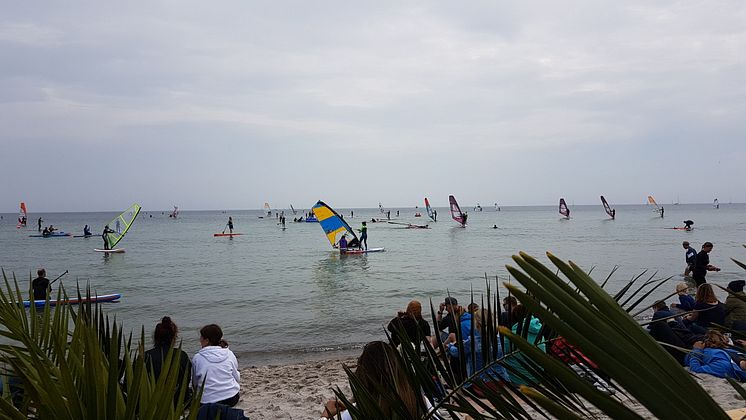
{"type": "Point", "coordinates": [332, 223]}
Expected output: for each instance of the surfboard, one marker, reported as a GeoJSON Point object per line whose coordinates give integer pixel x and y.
{"type": "Point", "coordinates": [226, 234]}
{"type": "Point", "coordinates": [82, 236]}
{"type": "Point", "coordinates": [361, 251]}
{"type": "Point", "coordinates": [679, 228]}
{"type": "Point", "coordinates": [113, 297]}
{"type": "Point", "coordinates": [110, 251]}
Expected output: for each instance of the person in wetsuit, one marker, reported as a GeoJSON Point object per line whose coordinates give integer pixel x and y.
{"type": "Point", "coordinates": [39, 222]}
{"type": "Point", "coordinates": [690, 255]}
{"type": "Point", "coordinates": [343, 243]}
{"type": "Point", "coordinates": [463, 220]}
{"type": "Point", "coordinates": [702, 264]}
{"type": "Point", "coordinates": [40, 285]}
{"type": "Point", "coordinates": [87, 230]}
{"type": "Point", "coordinates": [105, 238]}
{"type": "Point", "coordinates": [363, 236]}
{"type": "Point", "coordinates": [230, 224]}
{"type": "Point", "coordinates": [688, 224]}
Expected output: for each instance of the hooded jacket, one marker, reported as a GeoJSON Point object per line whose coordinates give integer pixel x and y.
{"type": "Point", "coordinates": [218, 368]}
{"type": "Point", "coordinates": [716, 362]}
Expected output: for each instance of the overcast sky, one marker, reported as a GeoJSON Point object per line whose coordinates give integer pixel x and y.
{"type": "Point", "coordinates": [226, 105]}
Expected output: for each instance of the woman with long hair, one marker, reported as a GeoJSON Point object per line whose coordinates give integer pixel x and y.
{"type": "Point", "coordinates": [164, 338]}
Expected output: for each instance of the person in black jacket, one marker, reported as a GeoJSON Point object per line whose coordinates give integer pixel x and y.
{"type": "Point", "coordinates": [702, 264]}
{"type": "Point", "coordinates": [41, 285]}
{"type": "Point", "coordinates": [164, 338]}
{"type": "Point", "coordinates": [411, 323]}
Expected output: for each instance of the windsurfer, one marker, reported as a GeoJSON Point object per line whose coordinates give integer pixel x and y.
{"type": "Point", "coordinates": [463, 219]}
{"type": "Point", "coordinates": [230, 224]}
{"type": "Point", "coordinates": [662, 211]}
{"type": "Point", "coordinates": [435, 215]}
{"type": "Point", "coordinates": [613, 213]}
{"type": "Point", "coordinates": [106, 238]}
{"type": "Point", "coordinates": [363, 236]}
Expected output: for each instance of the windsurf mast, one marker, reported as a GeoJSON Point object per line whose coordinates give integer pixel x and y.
{"type": "Point", "coordinates": [607, 208]}
{"type": "Point", "coordinates": [332, 223]}
{"type": "Point", "coordinates": [291, 208]}
{"type": "Point", "coordinates": [121, 224]}
{"type": "Point", "coordinates": [563, 208]}
{"type": "Point", "coordinates": [429, 209]}
{"type": "Point", "coordinates": [380, 208]}
{"type": "Point", "coordinates": [456, 213]}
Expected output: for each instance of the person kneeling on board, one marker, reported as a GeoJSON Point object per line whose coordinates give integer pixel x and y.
{"type": "Point", "coordinates": [87, 230]}
{"type": "Point", "coordinates": [342, 244]}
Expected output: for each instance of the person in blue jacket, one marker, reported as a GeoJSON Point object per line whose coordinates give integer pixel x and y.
{"type": "Point", "coordinates": [709, 356]}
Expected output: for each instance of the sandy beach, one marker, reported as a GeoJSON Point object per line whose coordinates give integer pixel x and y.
{"type": "Point", "coordinates": [299, 390]}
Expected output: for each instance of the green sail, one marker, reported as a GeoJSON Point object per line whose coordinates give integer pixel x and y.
{"type": "Point", "coordinates": [121, 224]}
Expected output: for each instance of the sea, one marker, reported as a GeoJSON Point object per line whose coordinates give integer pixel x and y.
{"type": "Point", "coordinates": [283, 295]}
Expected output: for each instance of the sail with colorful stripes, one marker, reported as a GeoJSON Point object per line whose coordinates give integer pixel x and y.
{"type": "Point", "coordinates": [563, 210]}
{"type": "Point", "coordinates": [332, 224]}
{"type": "Point", "coordinates": [611, 212]}
{"type": "Point", "coordinates": [456, 212]}
{"type": "Point", "coordinates": [429, 209]}
{"type": "Point", "coordinates": [121, 224]}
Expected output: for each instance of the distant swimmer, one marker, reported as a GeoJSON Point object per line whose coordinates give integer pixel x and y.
{"type": "Point", "coordinates": [494, 226]}
{"type": "Point", "coordinates": [106, 238]}
{"type": "Point", "coordinates": [87, 230]}
{"type": "Point", "coordinates": [230, 224]}
{"type": "Point", "coordinates": [363, 236]}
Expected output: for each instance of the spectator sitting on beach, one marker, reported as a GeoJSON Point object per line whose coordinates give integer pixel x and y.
{"type": "Point", "coordinates": [686, 301]}
{"type": "Point", "coordinates": [447, 324]}
{"type": "Point", "coordinates": [382, 375]}
{"type": "Point", "coordinates": [164, 338]}
{"type": "Point", "coordinates": [470, 325]}
{"type": "Point", "coordinates": [735, 306]}
{"type": "Point", "coordinates": [506, 316]}
{"type": "Point", "coordinates": [529, 327]}
{"type": "Point", "coordinates": [709, 356]}
{"type": "Point", "coordinates": [411, 323]}
{"type": "Point", "coordinates": [710, 310]}
{"type": "Point", "coordinates": [216, 366]}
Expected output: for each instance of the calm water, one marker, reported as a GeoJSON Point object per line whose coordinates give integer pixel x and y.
{"type": "Point", "coordinates": [281, 295]}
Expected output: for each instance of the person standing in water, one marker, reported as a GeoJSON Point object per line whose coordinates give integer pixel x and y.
{"type": "Point", "coordinates": [363, 236]}
{"type": "Point", "coordinates": [690, 255]}
{"type": "Point", "coordinates": [40, 285]}
{"type": "Point", "coordinates": [230, 224]}
{"type": "Point", "coordinates": [106, 238]}
{"type": "Point", "coordinates": [702, 264]}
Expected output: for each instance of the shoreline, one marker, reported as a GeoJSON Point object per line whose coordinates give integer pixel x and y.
{"type": "Point", "coordinates": [300, 390]}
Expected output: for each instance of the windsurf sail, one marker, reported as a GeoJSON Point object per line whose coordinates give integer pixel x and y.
{"type": "Point", "coordinates": [608, 209]}
{"type": "Point", "coordinates": [563, 208]}
{"type": "Point", "coordinates": [121, 224]}
{"type": "Point", "coordinates": [380, 208]}
{"type": "Point", "coordinates": [22, 215]}
{"type": "Point", "coordinates": [656, 207]}
{"type": "Point", "coordinates": [715, 204]}
{"type": "Point", "coordinates": [175, 213]}
{"type": "Point", "coordinates": [332, 224]}
{"type": "Point", "coordinates": [291, 208]}
{"type": "Point", "coordinates": [429, 209]}
{"type": "Point", "coordinates": [456, 213]}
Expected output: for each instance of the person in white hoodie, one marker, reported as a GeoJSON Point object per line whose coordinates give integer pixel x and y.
{"type": "Point", "coordinates": [217, 367]}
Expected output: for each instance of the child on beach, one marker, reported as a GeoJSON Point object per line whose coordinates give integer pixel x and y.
{"type": "Point", "coordinates": [164, 338]}
{"type": "Point", "coordinates": [216, 366]}
{"type": "Point", "coordinates": [686, 301]}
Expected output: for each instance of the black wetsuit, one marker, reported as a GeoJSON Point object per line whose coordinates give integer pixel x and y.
{"type": "Point", "coordinates": [106, 240]}
{"type": "Point", "coordinates": [701, 261]}
{"type": "Point", "coordinates": [40, 286]}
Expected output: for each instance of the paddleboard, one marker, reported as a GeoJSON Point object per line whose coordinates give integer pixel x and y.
{"type": "Point", "coordinates": [52, 235]}
{"type": "Point", "coordinates": [226, 234]}
{"type": "Point", "coordinates": [679, 228]}
{"type": "Point", "coordinates": [73, 301]}
{"type": "Point", "coordinates": [111, 251]}
{"type": "Point", "coordinates": [82, 236]}
{"type": "Point", "coordinates": [362, 251]}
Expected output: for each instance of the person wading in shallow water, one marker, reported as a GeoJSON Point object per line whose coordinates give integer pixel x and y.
{"type": "Point", "coordinates": [702, 264]}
